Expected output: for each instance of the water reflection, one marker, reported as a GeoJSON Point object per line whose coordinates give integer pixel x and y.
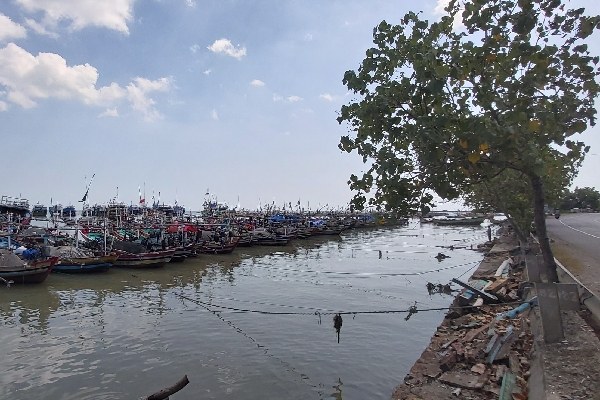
{"type": "Point", "coordinates": [112, 335]}
{"type": "Point", "coordinates": [337, 392]}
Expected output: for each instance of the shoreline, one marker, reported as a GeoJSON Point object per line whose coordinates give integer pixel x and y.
{"type": "Point", "coordinates": [460, 361]}
{"type": "Point", "coordinates": [472, 355]}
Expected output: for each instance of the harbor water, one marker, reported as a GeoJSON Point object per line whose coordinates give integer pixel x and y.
{"type": "Point", "coordinates": [255, 324]}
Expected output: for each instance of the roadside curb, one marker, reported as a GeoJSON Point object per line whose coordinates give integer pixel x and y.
{"type": "Point", "coordinates": [588, 298]}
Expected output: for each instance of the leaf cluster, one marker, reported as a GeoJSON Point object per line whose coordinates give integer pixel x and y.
{"type": "Point", "coordinates": [443, 110]}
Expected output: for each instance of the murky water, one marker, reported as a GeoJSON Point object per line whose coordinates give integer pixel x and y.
{"type": "Point", "coordinates": [129, 333]}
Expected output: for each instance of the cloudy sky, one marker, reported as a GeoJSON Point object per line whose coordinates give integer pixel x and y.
{"type": "Point", "coordinates": [235, 97]}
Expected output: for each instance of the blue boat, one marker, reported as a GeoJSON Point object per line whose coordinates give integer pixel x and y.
{"type": "Point", "coordinates": [84, 264]}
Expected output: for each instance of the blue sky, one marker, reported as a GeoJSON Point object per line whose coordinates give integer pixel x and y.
{"type": "Point", "coordinates": [238, 97]}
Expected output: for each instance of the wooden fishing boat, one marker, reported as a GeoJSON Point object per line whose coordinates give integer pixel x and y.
{"type": "Point", "coordinates": [272, 241]}
{"type": "Point", "coordinates": [218, 248]}
{"type": "Point", "coordinates": [151, 259]}
{"type": "Point", "coordinates": [15, 270]}
{"type": "Point", "coordinates": [266, 237]}
{"type": "Point", "coordinates": [76, 265]}
{"type": "Point", "coordinates": [459, 221]}
{"type": "Point", "coordinates": [182, 252]}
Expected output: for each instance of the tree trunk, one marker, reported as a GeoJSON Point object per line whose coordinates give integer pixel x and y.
{"type": "Point", "coordinates": [539, 217]}
{"type": "Point", "coordinates": [495, 199]}
{"type": "Point", "coordinates": [520, 235]}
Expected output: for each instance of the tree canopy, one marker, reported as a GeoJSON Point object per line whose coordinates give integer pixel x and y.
{"type": "Point", "coordinates": [442, 109]}
{"type": "Point", "coordinates": [582, 198]}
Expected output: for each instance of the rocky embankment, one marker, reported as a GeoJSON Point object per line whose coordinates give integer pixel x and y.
{"type": "Point", "coordinates": [483, 347]}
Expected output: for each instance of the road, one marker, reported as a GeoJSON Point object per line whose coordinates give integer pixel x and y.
{"type": "Point", "coordinates": [576, 244]}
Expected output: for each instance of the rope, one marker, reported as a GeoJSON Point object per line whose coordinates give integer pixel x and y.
{"type": "Point", "coordinates": [318, 312]}
{"type": "Point", "coordinates": [362, 274]}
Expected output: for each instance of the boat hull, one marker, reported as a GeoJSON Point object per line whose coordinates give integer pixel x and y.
{"type": "Point", "coordinates": [153, 259]}
{"type": "Point", "coordinates": [82, 268]}
{"type": "Point", "coordinates": [35, 272]}
{"type": "Point", "coordinates": [459, 222]}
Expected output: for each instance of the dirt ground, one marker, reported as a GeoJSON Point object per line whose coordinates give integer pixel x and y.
{"type": "Point", "coordinates": [572, 367]}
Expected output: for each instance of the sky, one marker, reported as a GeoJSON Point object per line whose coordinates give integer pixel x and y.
{"type": "Point", "coordinates": [180, 98]}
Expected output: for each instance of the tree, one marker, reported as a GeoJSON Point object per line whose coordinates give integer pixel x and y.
{"type": "Point", "coordinates": [510, 193]}
{"type": "Point", "coordinates": [581, 198]}
{"type": "Point", "coordinates": [444, 110]}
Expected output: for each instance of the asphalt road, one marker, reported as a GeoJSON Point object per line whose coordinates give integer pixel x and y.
{"type": "Point", "coordinates": [580, 230]}
{"type": "Point", "coordinates": [579, 234]}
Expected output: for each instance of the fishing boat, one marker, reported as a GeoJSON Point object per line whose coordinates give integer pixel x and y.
{"type": "Point", "coordinates": [55, 210]}
{"type": "Point", "coordinates": [14, 206]}
{"type": "Point", "coordinates": [15, 270]}
{"type": "Point", "coordinates": [151, 259]}
{"type": "Point", "coordinates": [212, 247]}
{"type": "Point", "coordinates": [183, 252]}
{"type": "Point", "coordinates": [84, 265]}
{"type": "Point", "coordinates": [266, 237]}
{"type": "Point", "coordinates": [75, 260]}
{"type": "Point", "coordinates": [69, 212]}
{"type": "Point", "coordinates": [459, 221]}
{"type": "Point", "coordinates": [39, 211]}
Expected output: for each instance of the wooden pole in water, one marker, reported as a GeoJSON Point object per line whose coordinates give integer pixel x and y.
{"type": "Point", "coordinates": [166, 392]}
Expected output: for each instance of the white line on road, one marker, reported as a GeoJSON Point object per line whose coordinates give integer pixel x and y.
{"type": "Point", "coordinates": [577, 230]}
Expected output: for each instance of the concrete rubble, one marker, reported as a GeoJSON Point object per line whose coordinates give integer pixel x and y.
{"type": "Point", "coordinates": [475, 354]}
{"type": "Point", "coordinates": [491, 343]}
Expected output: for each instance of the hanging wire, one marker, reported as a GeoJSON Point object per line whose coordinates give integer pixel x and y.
{"type": "Point", "coordinates": [207, 306]}
{"type": "Point", "coordinates": [362, 274]}
{"type": "Point", "coordinates": [412, 309]}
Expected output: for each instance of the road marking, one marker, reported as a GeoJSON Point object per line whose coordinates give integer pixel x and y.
{"type": "Point", "coordinates": [577, 230]}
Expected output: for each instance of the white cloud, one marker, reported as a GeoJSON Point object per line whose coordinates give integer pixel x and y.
{"type": "Point", "coordinates": [39, 28]}
{"type": "Point", "coordinates": [207, 72]}
{"type": "Point", "coordinates": [109, 112]}
{"type": "Point", "coordinates": [214, 115]}
{"type": "Point", "coordinates": [3, 106]}
{"type": "Point", "coordinates": [110, 14]}
{"type": "Point", "coordinates": [289, 99]}
{"type": "Point", "coordinates": [440, 9]}
{"type": "Point", "coordinates": [225, 46]}
{"type": "Point", "coordinates": [28, 79]}
{"type": "Point", "coordinates": [137, 93]}
{"type": "Point", "coordinates": [190, 3]}
{"type": "Point", "coordinates": [308, 37]}
{"type": "Point", "coordinates": [194, 48]}
{"type": "Point", "coordinates": [257, 83]}
{"type": "Point", "coordinates": [10, 30]}
{"type": "Point", "coordinates": [326, 97]}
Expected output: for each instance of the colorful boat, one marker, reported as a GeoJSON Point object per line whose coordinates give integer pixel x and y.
{"type": "Point", "coordinates": [14, 270]}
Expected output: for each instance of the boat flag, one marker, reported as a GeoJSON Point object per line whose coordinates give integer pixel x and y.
{"type": "Point", "coordinates": [142, 200]}
{"type": "Point", "coordinates": [85, 196]}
